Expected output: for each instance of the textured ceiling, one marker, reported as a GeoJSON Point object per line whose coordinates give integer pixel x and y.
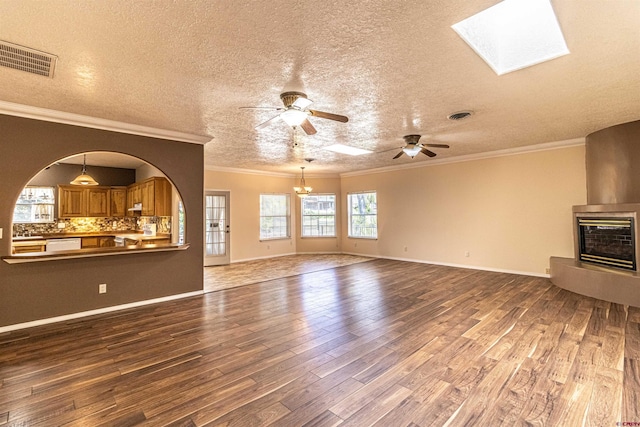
{"type": "Point", "coordinates": [394, 67]}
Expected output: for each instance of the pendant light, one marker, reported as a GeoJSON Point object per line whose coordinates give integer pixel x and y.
{"type": "Point", "coordinates": [83, 178]}
{"type": "Point", "coordinates": [303, 191]}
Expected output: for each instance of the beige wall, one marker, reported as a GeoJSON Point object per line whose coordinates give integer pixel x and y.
{"type": "Point", "coordinates": [321, 244]}
{"type": "Point", "coordinates": [510, 213]}
{"type": "Point", "coordinates": [245, 190]}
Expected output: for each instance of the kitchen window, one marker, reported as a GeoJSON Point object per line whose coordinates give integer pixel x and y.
{"type": "Point", "coordinates": [275, 216]}
{"type": "Point", "coordinates": [363, 215]}
{"type": "Point", "coordinates": [35, 205]}
{"type": "Point", "coordinates": [319, 215]}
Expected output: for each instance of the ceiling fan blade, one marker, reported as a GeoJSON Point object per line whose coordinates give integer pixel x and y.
{"type": "Point", "coordinates": [308, 128]}
{"type": "Point", "coordinates": [302, 103]}
{"type": "Point", "coordinates": [398, 155]}
{"type": "Point", "coordinates": [330, 116]}
{"type": "Point", "coordinates": [427, 152]}
{"type": "Point", "coordinates": [436, 145]}
{"type": "Point", "coordinates": [262, 108]}
{"type": "Point", "coordinates": [268, 122]}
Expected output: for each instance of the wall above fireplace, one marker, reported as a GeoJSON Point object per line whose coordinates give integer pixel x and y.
{"type": "Point", "coordinates": [612, 159]}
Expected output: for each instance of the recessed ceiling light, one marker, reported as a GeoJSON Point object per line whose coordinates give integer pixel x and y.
{"type": "Point", "coordinates": [514, 34]}
{"type": "Point", "coordinates": [345, 149]}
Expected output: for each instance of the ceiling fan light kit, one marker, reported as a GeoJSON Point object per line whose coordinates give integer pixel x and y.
{"type": "Point", "coordinates": [413, 147]}
{"type": "Point", "coordinates": [411, 150]}
{"type": "Point", "coordinates": [293, 117]}
{"type": "Point", "coordinates": [295, 113]}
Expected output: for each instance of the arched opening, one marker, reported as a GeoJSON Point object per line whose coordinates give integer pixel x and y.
{"type": "Point", "coordinates": [132, 203]}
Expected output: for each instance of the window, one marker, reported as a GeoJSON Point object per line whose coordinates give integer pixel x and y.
{"type": "Point", "coordinates": [35, 204]}
{"type": "Point", "coordinates": [275, 216]}
{"type": "Point", "coordinates": [363, 215]}
{"type": "Point", "coordinates": [319, 215]}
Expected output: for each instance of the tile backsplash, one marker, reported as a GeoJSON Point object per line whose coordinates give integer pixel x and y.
{"type": "Point", "coordinates": [91, 225]}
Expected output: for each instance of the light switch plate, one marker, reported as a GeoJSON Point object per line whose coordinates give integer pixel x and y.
{"type": "Point", "coordinates": [0, 233]}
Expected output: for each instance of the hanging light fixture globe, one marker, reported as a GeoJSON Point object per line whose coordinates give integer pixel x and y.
{"type": "Point", "coordinates": [83, 178]}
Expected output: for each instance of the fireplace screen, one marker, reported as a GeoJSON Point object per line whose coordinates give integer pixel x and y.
{"type": "Point", "coordinates": [608, 241]}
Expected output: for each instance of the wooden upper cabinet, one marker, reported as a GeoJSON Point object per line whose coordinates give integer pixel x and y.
{"type": "Point", "coordinates": [154, 194]}
{"type": "Point", "coordinates": [72, 201]}
{"type": "Point", "coordinates": [75, 201]}
{"type": "Point", "coordinates": [98, 201]}
{"type": "Point", "coordinates": [118, 196]}
{"type": "Point", "coordinates": [148, 190]}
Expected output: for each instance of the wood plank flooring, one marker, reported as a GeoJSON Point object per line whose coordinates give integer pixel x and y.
{"type": "Point", "coordinates": [233, 275]}
{"type": "Point", "coordinates": [377, 343]}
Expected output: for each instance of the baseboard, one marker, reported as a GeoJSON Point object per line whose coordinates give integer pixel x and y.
{"type": "Point", "coordinates": [447, 264]}
{"type": "Point", "coordinates": [94, 312]}
{"type": "Point", "coordinates": [320, 253]}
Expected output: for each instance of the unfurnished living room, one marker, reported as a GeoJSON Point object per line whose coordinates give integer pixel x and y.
{"type": "Point", "coordinates": [369, 213]}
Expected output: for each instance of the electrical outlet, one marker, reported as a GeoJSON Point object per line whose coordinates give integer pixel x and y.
{"type": "Point", "coordinates": [406, 249]}
{"type": "Point", "coordinates": [466, 254]}
{"type": "Point", "coordinates": [102, 288]}
{"type": "Point", "coordinates": [62, 225]}
{"type": "Point", "coordinates": [547, 270]}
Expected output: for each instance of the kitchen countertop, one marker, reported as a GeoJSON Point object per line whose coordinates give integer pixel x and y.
{"type": "Point", "coordinates": [95, 252]}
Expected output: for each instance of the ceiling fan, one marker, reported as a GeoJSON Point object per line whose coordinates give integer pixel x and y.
{"type": "Point", "coordinates": [413, 147]}
{"type": "Point", "coordinates": [296, 111]}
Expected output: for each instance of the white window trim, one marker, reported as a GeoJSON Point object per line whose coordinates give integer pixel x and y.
{"type": "Point", "coordinates": [335, 218]}
{"type": "Point", "coordinates": [288, 216]}
{"type": "Point", "coordinates": [349, 236]}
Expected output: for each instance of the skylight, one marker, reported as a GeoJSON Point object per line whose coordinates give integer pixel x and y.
{"type": "Point", "coordinates": [514, 34]}
{"type": "Point", "coordinates": [345, 149]}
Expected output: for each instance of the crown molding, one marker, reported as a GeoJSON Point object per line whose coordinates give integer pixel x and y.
{"type": "Point", "coordinates": [471, 157]}
{"type": "Point", "coordinates": [47, 115]}
{"type": "Point", "coordinates": [266, 173]}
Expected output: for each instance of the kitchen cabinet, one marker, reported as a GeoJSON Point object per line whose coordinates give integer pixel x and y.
{"type": "Point", "coordinates": [71, 201]}
{"type": "Point", "coordinates": [154, 194]}
{"type": "Point", "coordinates": [118, 196]}
{"type": "Point", "coordinates": [74, 201]}
{"type": "Point", "coordinates": [26, 247]}
{"type": "Point", "coordinates": [98, 201]}
{"type": "Point", "coordinates": [98, 242]}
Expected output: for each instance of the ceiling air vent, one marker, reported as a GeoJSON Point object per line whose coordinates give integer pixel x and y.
{"type": "Point", "coordinates": [26, 59]}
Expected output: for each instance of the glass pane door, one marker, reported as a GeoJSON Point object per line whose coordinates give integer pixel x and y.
{"type": "Point", "coordinates": [217, 230]}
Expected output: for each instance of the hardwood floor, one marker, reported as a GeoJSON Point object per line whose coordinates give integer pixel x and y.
{"type": "Point", "coordinates": [382, 342]}
{"type": "Point", "coordinates": [230, 276]}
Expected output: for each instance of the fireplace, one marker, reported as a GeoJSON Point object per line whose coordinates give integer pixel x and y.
{"type": "Point", "coordinates": [606, 235]}
{"type": "Point", "coordinates": [607, 241]}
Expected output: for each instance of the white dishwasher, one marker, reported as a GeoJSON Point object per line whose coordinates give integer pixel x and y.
{"type": "Point", "coordinates": [68, 244]}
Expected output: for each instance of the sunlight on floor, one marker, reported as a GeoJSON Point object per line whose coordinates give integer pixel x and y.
{"type": "Point", "coordinates": [244, 273]}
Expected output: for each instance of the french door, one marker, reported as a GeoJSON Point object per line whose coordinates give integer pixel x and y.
{"type": "Point", "coordinates": [216, 228]}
